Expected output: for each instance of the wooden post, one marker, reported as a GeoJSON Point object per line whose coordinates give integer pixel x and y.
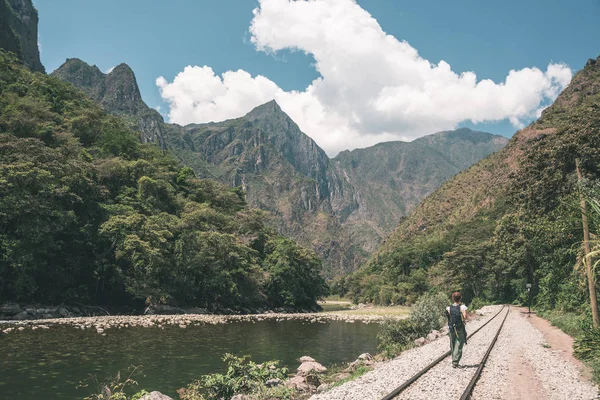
{"type": "Point", "coordinates": [586, 247]}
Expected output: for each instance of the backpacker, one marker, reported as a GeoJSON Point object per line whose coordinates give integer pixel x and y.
{"type": "Point", "coordinates": [455, 317]}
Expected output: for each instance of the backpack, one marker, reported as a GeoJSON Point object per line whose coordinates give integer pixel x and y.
{"type": "Point", "coordinates": [455, 317]}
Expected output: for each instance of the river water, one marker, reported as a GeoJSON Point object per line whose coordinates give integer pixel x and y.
{"type": "Point", "coordinates": [50, 364]}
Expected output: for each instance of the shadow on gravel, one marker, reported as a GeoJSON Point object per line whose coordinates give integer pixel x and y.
{"type": "Point", "coordinates": [469, 366]}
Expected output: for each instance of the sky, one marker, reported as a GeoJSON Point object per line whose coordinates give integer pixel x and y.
{"type": "Point", "coordinates": [350, 73]}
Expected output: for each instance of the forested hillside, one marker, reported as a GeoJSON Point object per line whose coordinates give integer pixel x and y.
{"type": "Point", "coordinates": [512, 218]}
{"type": "Point", "coordinates": [89, 214]}
{"type": "Point", "coordinates": [340, 207]}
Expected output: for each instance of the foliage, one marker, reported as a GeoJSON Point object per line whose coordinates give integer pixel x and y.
{"type": "Point", "coordinates": [426, 315]}
{"type": "Point", "coordinates": [242, 377]}
{"type": "Point", "coordinates": [90, 214]}
{"type": "Point", "coordinates": [511, 219]}
{"type": "Point", "coordinates": [115, 388]}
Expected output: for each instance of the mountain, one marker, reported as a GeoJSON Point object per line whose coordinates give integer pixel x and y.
{"type": "Point", "coordinates": [89, 214]}
{"type": "Point", "coordinates": [340, 207]}
{"type": "Point", "coordinates": [118, 93]}
{"type": "Point", "coordinates": [510, 219]}
{"type": "Point", "coordinates": [394, 177]}
{"type": "Point", "coordinates": [19, 32]}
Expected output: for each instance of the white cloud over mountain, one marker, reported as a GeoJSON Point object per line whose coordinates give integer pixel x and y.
{"type": "Point", "coordinates": [372, 86]}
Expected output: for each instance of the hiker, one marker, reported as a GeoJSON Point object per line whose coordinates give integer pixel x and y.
{"type": "Point", "coordinates": [457, 314]}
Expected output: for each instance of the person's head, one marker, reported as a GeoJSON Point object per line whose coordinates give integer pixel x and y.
{"type": "Point", "coordinates": [456, 297]}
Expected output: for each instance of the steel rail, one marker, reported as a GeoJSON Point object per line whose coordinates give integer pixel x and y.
{"type": "Point", "coordinates": [422, 372]}
{"type": "Point", "coordinates": [469, 390]}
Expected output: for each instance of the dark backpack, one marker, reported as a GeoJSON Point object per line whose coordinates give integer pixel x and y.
{"type": "Point", "coordinates": [455, 317]}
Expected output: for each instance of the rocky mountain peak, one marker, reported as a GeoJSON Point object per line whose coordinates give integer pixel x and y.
{"type": "Point", "coordinates": [267, 110]}
{"type": "Point", "coordinates": [19, 32]}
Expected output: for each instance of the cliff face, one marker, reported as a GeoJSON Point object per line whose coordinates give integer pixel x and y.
{"type": "Point", "coordinates": [341, 207]}
{"type": "Point", "coordinates": [19, 32]}
{"type": "Point", "coordinates": [118, 93]}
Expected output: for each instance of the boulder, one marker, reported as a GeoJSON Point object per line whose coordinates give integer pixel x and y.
{"type": "Point", "coordinates": [240, 397]}
{"type": "Point", "coordinates": [323, 387]}
{"type": "Point", "coordinates": [273, 382]}
{"type": "Point", "coordinates": [63, 312]}
{"type": "Point", "coordinates": [310, 366]}
{"type": "Point", "coordinates": [155, 396]}
{"type": "Point", "coordinates": [298, 382]}
{"type": "Point", "coordinates": [21, 316]}
{"type": "Point", "coordinates": [10, 309]}
{"type": "Point", "coordinates": [365, 357]}
{"type": "Point", "coordinates": [304, 359]}
{"type": "Point", "coordinates": [431, 337]}
{"type": "Point", "coordinates": [420, 341]}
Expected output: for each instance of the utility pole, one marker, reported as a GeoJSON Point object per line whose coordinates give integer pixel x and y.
{"type": "Point", "coordinates": [586, 247]}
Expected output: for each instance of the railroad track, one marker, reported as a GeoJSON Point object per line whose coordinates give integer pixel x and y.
{"type": "Point", "coordinates": [467, 393]}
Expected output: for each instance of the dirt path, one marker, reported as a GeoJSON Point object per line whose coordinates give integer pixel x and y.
{"type": "Point", "coordinates": [559, 342]}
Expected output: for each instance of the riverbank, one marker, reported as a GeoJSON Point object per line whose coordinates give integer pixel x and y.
{"type": "Point", "coordinates": [104, 323]}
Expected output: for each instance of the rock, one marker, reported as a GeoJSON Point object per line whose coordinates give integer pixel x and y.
{"type": "Point", "coordinates": [298, 382]}
{"type": "Point", "coordinates": [307, 367]}
{"type": "Point", "coordinates": [342, 376]}
{"type": "Point", "coordinates": [63, 312]}
{"type": "Point", "coordinates": [322, 388]}
{"type": "Point", "coordinates": [157, 396]}
{"type": "Point", "coordinates": [420, 341]}
{"type": "Point", "coordinates": [100, 330]}
{"type": "Point", "coordinates": [304, 359]}
{"type": "Point", "coordinates": [273, 382]}
{"type": "Point", "coordinates": [240, 397]}
{"type": "Point", "coordinates": [21, 316]}
{"type": "Point", "coordinates": [365, 357]}
{"type": "Point", "coordinates": [431, 337]}
{"type": "Point", "coordinates": [21, 328]}
{"type": "Point", "coordinates": [10, 309]}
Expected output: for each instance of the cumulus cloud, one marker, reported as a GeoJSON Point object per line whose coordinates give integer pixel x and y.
{"type": "Point", "coordinates": [372, 86]}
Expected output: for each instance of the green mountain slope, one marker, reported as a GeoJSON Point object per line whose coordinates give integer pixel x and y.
{"type": "Point", "coordinates": [341, 208]}
{"type": "Point", "coordinates": [509, 219]}
{"type": "Point", "coordinates": [89, 214]}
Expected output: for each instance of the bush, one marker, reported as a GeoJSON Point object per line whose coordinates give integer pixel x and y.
{"type": "Point", "coordinates": [428, 313]}
{"type": "Point", "coordinates": [242, 377]}
{"type": "Point", "coordinates": [395, 336]}
{"type": "Point", "coordinates": [476, 304]}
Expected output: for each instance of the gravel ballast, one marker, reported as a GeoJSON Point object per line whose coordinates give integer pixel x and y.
{"type": "Point", "coordinates": [519, 345]}
{"type": "Point", "coordinates": [377, 383]}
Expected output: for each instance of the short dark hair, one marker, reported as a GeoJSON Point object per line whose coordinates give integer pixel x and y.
{"type": "Point", "coordinates": [456, 297]}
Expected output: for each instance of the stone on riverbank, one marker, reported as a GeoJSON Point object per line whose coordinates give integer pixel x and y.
{"type": "Point", "coordinates": [309, 366]}
{"type": "Point", "coordinates": [156, 396]}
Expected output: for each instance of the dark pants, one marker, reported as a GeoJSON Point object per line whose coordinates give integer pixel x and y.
{"type": "Point", "coordinates": [457, 341]}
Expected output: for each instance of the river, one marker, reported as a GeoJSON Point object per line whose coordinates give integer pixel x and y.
{"type": "Point", "coordinates": [49, 364]}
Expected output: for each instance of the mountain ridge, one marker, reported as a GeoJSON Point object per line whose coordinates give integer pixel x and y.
{"type": "Point", "coordinates": [323, 202]}
{"type": "Point", "coordinates": [511, 218]}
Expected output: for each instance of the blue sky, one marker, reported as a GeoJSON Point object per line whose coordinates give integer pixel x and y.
{"type": "Point", "coordinates": [158, 38]}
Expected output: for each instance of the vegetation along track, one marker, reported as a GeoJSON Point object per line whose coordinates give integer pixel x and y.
{"type": "Point", "coordinates": [467, 393]}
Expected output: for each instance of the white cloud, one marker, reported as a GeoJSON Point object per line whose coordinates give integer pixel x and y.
{"type": "Point", "coordinates": [108, 71]}
{"type": "Point", "coordinates": [372, 87]}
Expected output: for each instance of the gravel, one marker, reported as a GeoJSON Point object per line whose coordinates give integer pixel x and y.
{"type": "Point", "coordinates": [520, 346]}
{"type": "Point", "coordinates": [377, 383]}
{"type": "Point", "coordinates": [521, 351]}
